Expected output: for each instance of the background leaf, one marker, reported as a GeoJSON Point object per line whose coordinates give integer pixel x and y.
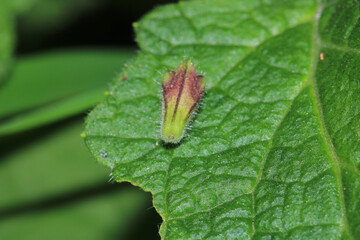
{"type": "Point", "coordinates": [51, 189]}
{"type": "Point", "coordinates": [261, 160]}
{"type": "Point", "coordinates": [6, 39]}
{"type": "Point", "coordinates": [55, 85]}
{"type": "Point", "coordinates": [102, 217]}
{"type": "Point", "coordinates": [60, 156]}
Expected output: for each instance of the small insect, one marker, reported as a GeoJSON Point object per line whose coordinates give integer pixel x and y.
{"type": "Point", "coordinates": [104, 155]}
{"type": "Point", "coordinates": [182, 91]}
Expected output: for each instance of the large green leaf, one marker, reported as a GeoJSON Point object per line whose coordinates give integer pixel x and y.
{"type": "Point", "coordinates": [6, 39]}
{"type": "Point", "coordinates": [55, 85]}
{"type": "Point", "coordinates": [274, 150]}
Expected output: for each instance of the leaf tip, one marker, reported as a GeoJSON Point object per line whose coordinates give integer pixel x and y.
{"type": "Point", "coordinates": [135, 25]}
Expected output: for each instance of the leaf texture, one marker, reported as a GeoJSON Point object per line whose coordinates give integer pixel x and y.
{"type": "Point", "coordinates": [274, 150]}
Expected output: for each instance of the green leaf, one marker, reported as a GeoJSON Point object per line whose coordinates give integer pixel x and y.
{"type": "Point", "coordinates": [51, 188]}
{"type": "Point", "coordinates": [102, 217]}
{"type": "Point", "coordinates": [6, 40]}
{"type": "Point", "coordinates": [51, 86]}
{"type": "Point", "coordinates": [51, 164]}
{"type": "Point", "coordinates": [274, 150]}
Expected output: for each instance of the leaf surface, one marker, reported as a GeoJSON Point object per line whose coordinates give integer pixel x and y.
{"type": "Point", "coordinates": [274, 149]}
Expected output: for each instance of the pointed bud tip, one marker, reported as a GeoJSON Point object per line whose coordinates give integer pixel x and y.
{"type": "Point", "coordinates": [168, 76]}
{"type": "Point", "coordinates": [135, 25]}
{"type": "Point", "coordinates": [187, 64]}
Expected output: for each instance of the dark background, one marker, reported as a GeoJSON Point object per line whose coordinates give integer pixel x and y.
{"type": "Point", "coordinates": [107, 23]}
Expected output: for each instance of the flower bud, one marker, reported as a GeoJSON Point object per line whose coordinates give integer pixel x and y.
{"type": "Point", "coordinates": [182, 91]}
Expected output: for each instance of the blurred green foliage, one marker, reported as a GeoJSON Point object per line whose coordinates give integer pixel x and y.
{"type": "Point", "coordinates": [59, 156]}
{"type": "Point", "coordinates": [56, 85]}
{"type": "Point", "coordinates": [100, 217]}
{"type": "Point", "coordinates": [56, 167]}
{"type": "Point", "coordinates": [6, 39]}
